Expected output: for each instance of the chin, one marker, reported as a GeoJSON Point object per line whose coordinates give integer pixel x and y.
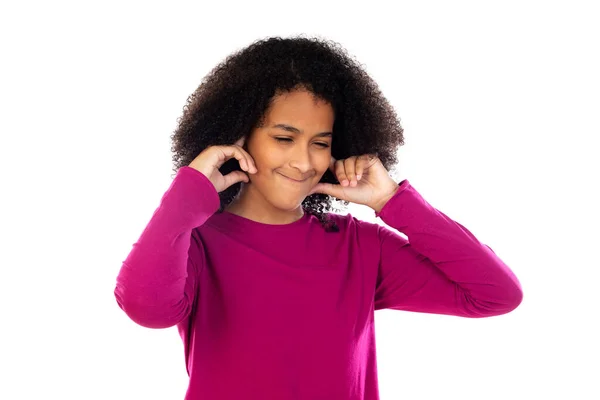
{"type": "Point", "coordinates": [288, 204]}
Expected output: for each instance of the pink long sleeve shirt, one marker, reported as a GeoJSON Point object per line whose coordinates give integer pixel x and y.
{"type": "Point", "coordinates": [287, 311]}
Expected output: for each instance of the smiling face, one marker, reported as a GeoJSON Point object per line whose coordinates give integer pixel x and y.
{"type": "Point", "coordinates": [292, 151]}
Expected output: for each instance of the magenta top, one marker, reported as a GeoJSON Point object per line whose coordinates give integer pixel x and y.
{"type": "Point", "coordinates": [287, 311]}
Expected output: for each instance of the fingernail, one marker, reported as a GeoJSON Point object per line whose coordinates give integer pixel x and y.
{"type": "Point", "coordinates": [358, 177]}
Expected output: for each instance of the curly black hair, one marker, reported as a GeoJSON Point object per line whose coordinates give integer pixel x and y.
{"type": "Point", "coordinates": [232, 99]}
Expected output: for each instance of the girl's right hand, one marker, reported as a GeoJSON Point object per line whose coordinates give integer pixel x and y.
{"type": "Point", "coordinates": [212, 158]}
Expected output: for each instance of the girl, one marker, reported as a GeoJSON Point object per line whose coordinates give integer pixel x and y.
{"type": "Point", "coordinates": [272, 293]}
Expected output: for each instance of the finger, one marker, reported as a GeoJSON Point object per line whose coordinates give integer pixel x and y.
{"type": "Point", "coordinates": [361, 162]}
{"type": "Point", "coordinates": [228, 152]}
{"type": "Point", "coordinates": [350, 167]}
{"type": "Point", "coordinates": [240, 142]}
{"type": "Point", "coordinates": [245, 159]}
{"type": "Point", "coordinates": [329, 189]}
{"type": "Point", "coordinates": [249, 161]}
{"type": "Point", "coordinates": [340, 173]}
{"type": "Point", "coordinates": [235, 177]}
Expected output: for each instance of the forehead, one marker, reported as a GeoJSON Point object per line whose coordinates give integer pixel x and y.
{"type": "Point", "coordinates": [300, 107]}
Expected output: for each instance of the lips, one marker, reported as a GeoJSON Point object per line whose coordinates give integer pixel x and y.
{"type": "Point", "coordinates": [292, 179]}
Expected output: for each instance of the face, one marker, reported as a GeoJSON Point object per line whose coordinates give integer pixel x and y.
{"type": "Point", "coordinates": [292, 150]}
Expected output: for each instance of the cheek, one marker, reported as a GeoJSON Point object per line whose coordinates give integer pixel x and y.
{"type": "Point", "coordinates": [261, 159]}
{"type": "Point", "coordinates": [323, 164]}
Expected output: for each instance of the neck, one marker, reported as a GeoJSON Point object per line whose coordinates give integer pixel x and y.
{"type": "Point", "coordinates": [252, 205]}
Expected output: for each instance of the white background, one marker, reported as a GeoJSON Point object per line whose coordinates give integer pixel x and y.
{"type": "Point", "coordinates": [500, 104]}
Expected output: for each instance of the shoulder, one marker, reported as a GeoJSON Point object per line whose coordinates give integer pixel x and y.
{"type": "Point", "coordinates": [349, 223]}
{"type": "Point", "coordinates": [364, 236]}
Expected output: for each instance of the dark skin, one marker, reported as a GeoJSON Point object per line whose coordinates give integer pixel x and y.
{"type": "Point", "coordinates": [291, 152]}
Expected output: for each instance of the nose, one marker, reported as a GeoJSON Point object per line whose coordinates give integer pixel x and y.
{"type": "Point", "coordinates": [300, 159]}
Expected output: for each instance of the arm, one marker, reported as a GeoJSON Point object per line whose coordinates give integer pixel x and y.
{"type": "Point", "coordinates": [156, 285]}
{"type": "Point", "coordinates": [442, 268]}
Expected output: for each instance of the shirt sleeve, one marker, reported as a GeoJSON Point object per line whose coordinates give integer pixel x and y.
{"type": "Point", "coordinates": [442, 268]}
{"type": "Point", "coordinates": [156, 285]}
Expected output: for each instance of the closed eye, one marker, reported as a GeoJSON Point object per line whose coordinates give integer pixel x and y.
{"type": "Point", "coordinates": [285, 140]}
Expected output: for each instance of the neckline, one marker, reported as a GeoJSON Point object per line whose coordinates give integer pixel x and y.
{"type": "Point", "coordinates": [234, 220]}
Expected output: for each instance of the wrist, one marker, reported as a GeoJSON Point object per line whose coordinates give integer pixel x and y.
{"type": "Point", "coordinates": [378, 205]}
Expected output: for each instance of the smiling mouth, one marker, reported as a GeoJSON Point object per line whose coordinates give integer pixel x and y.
{"type": "Point", "coordinates": [293, 180]}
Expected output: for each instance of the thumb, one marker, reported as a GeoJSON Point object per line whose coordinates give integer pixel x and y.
{"type": "Point", "coordinates": [235, 177]}
{"type": "Point", "coordinates": [327, 188]}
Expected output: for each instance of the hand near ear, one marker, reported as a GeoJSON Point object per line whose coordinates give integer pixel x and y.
{"type": "Point", "coordinates": [363, 180]}
{"type": "Point", "coordinates": [212, 158]}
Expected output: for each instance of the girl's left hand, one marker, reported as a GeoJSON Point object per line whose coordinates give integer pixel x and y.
{"type": "Point", "coordinates": [363, 180]}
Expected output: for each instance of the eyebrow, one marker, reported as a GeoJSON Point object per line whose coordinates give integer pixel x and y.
{"type": "Point", "coordinates": [292, 129]}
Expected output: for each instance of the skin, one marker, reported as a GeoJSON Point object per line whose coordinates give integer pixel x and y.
{"type": "Point", "coordinates": [288, 164]}
{"type": "Point", "coordinates": [285, 159]}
